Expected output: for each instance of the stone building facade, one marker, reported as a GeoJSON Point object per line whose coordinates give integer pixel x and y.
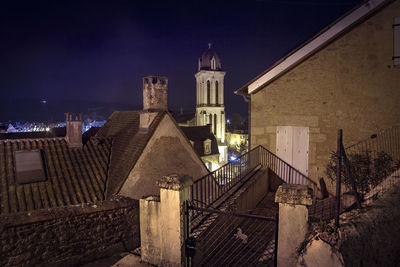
{"type": "Point", "coordinates": [346, 77]}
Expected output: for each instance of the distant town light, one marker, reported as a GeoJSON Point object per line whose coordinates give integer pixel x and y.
{"type": "Point", "coordinates": [47, 129]}
{"type": "Point", "coordinates": [43, 101]}
{"type": "Point", "coordinates": [233, 158]}
{"type": "Point", "coordinates": [228, 121]}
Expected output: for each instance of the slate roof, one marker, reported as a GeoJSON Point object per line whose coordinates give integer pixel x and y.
{"type": "Point", "coordinates": [127, 146]}
{"type": "Point", "coordinates": [198, 134]}
{"type": "Point", "coordinates": [74, 176]}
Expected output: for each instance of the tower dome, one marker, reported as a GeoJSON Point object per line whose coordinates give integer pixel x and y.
{"type": "Point", "coordinates": [209, 60]}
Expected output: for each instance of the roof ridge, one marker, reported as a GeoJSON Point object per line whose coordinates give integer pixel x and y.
{"type": "Point", "coordinates": [313, 45]}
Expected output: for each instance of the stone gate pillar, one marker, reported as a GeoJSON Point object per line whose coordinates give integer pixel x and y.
{"type": "Point", "coordinates": [293, 220]}
{"type": "Point", "coordinates": [162, 222]}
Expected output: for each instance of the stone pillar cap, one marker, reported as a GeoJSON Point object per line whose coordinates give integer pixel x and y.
{"type": "Point", "coordinates": [294, 194]}
{"type": "Point", "coordinates": [175, 181]}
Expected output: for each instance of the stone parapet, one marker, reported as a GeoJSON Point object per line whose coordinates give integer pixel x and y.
{"type": "Point", "coordinates": [294, 194]}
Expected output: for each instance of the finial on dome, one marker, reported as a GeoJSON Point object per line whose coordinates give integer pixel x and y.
{"type": "Point", "coordinates": [209, 45]}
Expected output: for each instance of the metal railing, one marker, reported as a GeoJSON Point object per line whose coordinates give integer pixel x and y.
{"type": "Point", "coordinates": [362, 171]}
{"type": "Point", "coordinates": [211, 187]}
{"type": "Point", "coordinates": [374, 162]}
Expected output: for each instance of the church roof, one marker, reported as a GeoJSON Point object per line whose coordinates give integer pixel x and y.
{"type": "Point", "coordinates": [205, 62]}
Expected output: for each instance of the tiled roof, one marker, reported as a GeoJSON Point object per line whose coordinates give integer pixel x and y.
{"type": "Point", "coordinates": [198, 134]}
{"type": "Point", "coordinates": [127, 145]}
{"type": "Point", "coordinates": [74, 176]}
{"type": "Point", "coordinates": [89, 133]}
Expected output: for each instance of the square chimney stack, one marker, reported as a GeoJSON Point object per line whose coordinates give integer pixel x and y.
{"type": "Point", "coordinates": [74, 130]}
{"type": "Point", "coordinates": [155, 99]}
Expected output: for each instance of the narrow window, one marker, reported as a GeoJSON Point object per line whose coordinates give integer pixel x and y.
{"type": "Point", "coordinates": [396, 41]}
{"type": "Point", "coordinates": [213, 63]}
{"type": "Point", "coordinates": [208, 92]}
{"type": "Point", "coordinates": [215, 123]}
{"type": "Point", "coordinates": [216, 92]}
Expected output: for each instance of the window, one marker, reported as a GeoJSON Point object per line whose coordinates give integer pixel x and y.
{"type": "Point", "coordinates": [213, 63]}
{"type": "Point", "coordinates": [207, 146]}
{"type": "Point", "coordinates": [29, 166]}
{"type": "Point", "coordinates": [396, 41]}
{"type": "Point", "coordinates": [215, 123]}
{"type": "Point", "coordinates": [208, 92]}
{"type": "Point", "coordinates": [216, 92]}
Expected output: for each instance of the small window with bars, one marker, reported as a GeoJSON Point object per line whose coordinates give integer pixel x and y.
{"type": "Point", "coordinates": [29, 167]}
{"type": "Point", "coordinates": [396, 41]}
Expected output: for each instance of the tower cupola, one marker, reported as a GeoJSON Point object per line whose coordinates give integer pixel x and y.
{"type": "Point", "coordinates": [209, 60]}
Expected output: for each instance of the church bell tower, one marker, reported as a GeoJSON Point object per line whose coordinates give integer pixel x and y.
{"type": "Point", "coordinates": [210, 107]}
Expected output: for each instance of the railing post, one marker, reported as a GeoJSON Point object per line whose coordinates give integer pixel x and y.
{"type": "Point", "coordinates": [353, 182]}
{"type": "Point", "coordinates": [338, 175]}
{"type": "Point", "coordinates": [293, 200]}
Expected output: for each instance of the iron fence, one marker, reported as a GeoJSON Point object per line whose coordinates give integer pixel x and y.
{"type": "Point", "coordinates": [235, 239]}
{"type": "Point", "coordinates": [373, 164]}
{"type": "Point", "coordinates": [207, 190]}
{"type": "Point", "coordinates": [362, 172]}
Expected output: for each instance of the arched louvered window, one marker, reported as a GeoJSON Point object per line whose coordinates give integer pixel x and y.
{"type": "Point", "coordinates": [208, 92]}
{"type": "Point", "coordinates": [210, 121]}
{"type": "Point", "coordinates": [216, 92]}
{"type": "Point", "coordinates": [215, 124]}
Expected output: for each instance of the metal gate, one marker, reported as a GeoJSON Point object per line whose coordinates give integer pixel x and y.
{"type": "Point", "coordinates": [223, 238]}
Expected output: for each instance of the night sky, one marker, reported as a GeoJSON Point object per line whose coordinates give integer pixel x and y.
{"type": "Point", "coordinates": [98, 51]}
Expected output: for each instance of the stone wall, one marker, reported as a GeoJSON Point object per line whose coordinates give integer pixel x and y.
{"type": "Point", "coordinates": [366, 237]}
{"type": "Point", "coordinates": [69, 235]}
{"type": "Point", "coordinates": [351, 84]}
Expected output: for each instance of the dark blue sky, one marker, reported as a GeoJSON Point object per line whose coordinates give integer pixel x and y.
{"type": "Point", "coordinates": [98, 50]}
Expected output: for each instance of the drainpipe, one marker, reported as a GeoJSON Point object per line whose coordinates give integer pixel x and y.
{"type": "Point", "coordinates": [247, 98]}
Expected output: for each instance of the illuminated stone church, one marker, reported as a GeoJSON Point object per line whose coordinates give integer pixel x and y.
{"type": "Point", "coordinates": [210, 107]}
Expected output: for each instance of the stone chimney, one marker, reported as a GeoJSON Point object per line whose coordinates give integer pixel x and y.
{"type": "Point", "coordinates": [155, 99]}
{"type": "Point", "coordinates": [74, 129]}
